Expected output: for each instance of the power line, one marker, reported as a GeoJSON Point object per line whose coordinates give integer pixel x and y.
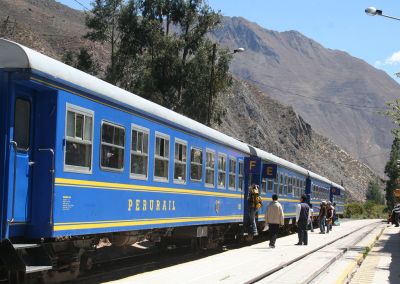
{"type": "Point", "coordinates": [351, 106]}
{"type": "Point", "coordinates": [83, 6]}
{"type": "Point", "coordinates": [374, 155]}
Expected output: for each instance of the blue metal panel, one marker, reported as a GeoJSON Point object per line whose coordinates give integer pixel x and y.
{"type": "Point", "coordinates": [3, 152]}
{"type": "Point", "coordinates": [105, 201]}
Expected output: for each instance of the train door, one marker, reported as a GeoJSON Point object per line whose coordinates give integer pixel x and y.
{"type": "Point", "coordinates": [21, 158]}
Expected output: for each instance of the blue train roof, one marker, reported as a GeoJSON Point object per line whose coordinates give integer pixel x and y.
{"type": "Point", "coordinates": [17, 56]}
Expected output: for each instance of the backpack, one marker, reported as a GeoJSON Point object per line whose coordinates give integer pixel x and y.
{"type": "Point", "coordinates": [258, 204]}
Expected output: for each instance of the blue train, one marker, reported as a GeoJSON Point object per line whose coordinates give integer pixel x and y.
{"type": "Point", "coordinates": [83, 161]}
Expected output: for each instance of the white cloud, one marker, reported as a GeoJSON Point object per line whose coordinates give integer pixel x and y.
{"type": "Point", "coordinates": [394, 59]}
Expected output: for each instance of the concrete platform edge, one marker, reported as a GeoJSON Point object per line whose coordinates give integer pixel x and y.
{"type": "Point", "coordinates": [352, 267]}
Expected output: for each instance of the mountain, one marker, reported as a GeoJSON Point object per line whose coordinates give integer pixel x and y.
{"type": "Point", "coordinates": [283, 59]}
{"type": "Point", "coordinates": [339, 95]}
{"type": "Point", "coordinates": [254, 117]}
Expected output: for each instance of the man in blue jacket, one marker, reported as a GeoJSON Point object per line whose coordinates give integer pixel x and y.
{"type": "Point", "coordinates": [302, 218]}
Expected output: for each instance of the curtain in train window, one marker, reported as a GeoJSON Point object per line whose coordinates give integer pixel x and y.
{"type": "Point", "coordinates": [112, 146]}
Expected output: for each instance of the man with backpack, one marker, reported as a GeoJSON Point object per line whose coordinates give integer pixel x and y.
{"type": "Point", "coordinates": [254, 202]}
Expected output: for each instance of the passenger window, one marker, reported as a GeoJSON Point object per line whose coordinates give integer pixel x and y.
{"type": "Point", "coordinates": [281, 184]}
{"type": "Point", "coordinates": [161, 157]}
{"type": "Point", "coordinates": [139, 152]}
{"type": "Point", "coordinates": [290, 186]}
{"type": "Point", "coordinates": [196, 164]}
{"type": "Point", "coordinates": [210, 163]}
{"type": "Point", "coordinates": [78, 139]}
{"type": "Point", "coordinates": [264, 185]}
{"type": "Point", "coordinates": [241, 178]}
{"type": "Point", "coordinates": [112, 146]}
{"type": "Point", "coordinates": [180, 161]}
{"type": "Point", "coordinates": [221, 171]}
{"type": "Point", "coordinates": [270, 185]}
{"type": "Point", "coordinates": [232, 173]}
{"type": "Point", "coordinates": [22, 118]}
{"type": "Point", "coordinates": [276, 184]}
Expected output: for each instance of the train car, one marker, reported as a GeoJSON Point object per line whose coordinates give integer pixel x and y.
{"type": "Point", "coordinates": [337, 197]}
{"type": "Point", "coordinates": [318, 189]}
{"type": "Point", "coordinates": [84, 163]}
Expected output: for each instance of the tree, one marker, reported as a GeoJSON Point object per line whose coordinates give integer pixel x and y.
{"type": "Point", "coordinates": [392, 171]}
{"type": "Point", "coordinates": [373, 193]}
{"type": "Point", "coordinates": [162, 52]}
{"type": "Point", "coordinates": [103, 25]}
{"type": "Point", "coordinates": [81, 60]}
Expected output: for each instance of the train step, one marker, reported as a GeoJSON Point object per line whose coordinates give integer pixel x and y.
{"type": "Point", "coordinates": [25, 258]}
{"type": "Point", "coordinates": [34, 269]}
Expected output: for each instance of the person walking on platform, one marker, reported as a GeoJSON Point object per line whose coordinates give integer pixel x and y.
{"type": "Point", "coordinates": [274, 219]}
{"type": "Point", "coordinates": [322, 217]}
{"type": "Point", "coordinates": [255, 203]}
{"type": "Point", "coordinates": [311, 217]}
{"type": "Point", "coordinates": [335, 217]}
{"type": "Point", "coordinates": [302, 217]}
{"type": "Point", "coordinates": [329, 217]}
{"type": "Point", "coordinates": [396, 214]}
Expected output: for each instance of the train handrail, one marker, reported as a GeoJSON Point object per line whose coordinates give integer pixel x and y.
{"type": "Point", "coordinates": [14, 145]}
{"type": "Point", "coordinates": [52, 171]}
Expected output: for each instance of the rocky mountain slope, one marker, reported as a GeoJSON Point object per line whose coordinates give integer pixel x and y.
{"type": "Point", "coordinates": [339, 95]}
{"type": "Point", "coordinates": [252, 115]}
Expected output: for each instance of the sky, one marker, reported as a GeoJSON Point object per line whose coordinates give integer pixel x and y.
{"type": "Point", "coordinates": [336, 24]}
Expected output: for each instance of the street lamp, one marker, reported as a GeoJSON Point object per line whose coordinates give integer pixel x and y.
{"type": "Point", "coordinates": [372, 11]}
{"type": "Point", "coordinates": [211, 93]}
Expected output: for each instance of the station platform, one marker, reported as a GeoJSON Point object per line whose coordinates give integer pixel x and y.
{"type": "Point", "coordinates": [382, 264]}
{"type": "Point", "coordinates": [287, 263]}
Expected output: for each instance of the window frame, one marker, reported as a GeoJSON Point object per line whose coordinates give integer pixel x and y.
{"type": "Point", "coordinates": [240, 175]}
{"type": "Point", "coordinates": [185, 143]}
{"type": "Point", "coordinates": [167, 137]}
{"type": "Point", "coordinates": [224, 170]}
{"type": "Point", "coordinates": [232, 158]}
{"type": "Point", "coordinates": [202, 160]}
{"type": "Point", "coordinates": [116, 125]}
{"type": "Point", "coordinates": [209, 185]}
{"type": "Point", "coordinates": [85, 112]}
{"type": "Point", "coordinates": [146, 131]}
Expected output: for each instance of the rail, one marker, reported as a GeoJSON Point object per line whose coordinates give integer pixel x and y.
{"type": "Point", "coordinates": [52, 171]}
{"type": "Point", "coordinates": [14, 145]}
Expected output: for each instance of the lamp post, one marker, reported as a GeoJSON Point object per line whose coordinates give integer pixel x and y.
{"type": "Point", "coordinates": [211, 87]}
{"type": "Point", "coordinates": [372, 11]}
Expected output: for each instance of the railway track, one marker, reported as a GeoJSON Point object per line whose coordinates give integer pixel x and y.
{"type": "Point", "coordinates": [154, 260]}
{"type": "Point", "coordinates": [321, 258]}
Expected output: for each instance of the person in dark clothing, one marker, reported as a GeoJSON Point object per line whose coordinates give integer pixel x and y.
{"type": "Point", "coordinates": [329, 217]}
{"type": "Point", "coordinates": [396, 214]}
{"type": "Point", "coordinates": [302, 218]}
{"type": "Point", "coordinates": [322, 217]}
